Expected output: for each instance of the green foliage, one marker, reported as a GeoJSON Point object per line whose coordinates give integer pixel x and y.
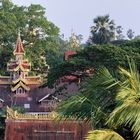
{"type": "Point", "coordinates": [119, 31]}
{"type": "Point", "coordinates": [110, 56]}
{"type": "Point", "coordinates": [103, 31]}
{"type": "Point", "coordinates": [108, 101]}
{"type": "Point", "coordinates": [94, 102]}
{"type": "Point", "coordinates": [130, 33]}
{"type": "Point", "coordinates": [18, 109]}
{"type": "Point", "coordinates": [95, 56]}
{"type": "Point", "coordinates": [103, 135]}
{"type": "Point", "coordinates": [66, 68]}
{"type": "Point", "coordinates": [127, 111]}
{"type": "Point", "coordinates": [38, 35]}
{"type": "Point", "coordinates": [132, 48]}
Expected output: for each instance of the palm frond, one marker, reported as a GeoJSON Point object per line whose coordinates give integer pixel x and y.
{"type": "Point", "coordinates": [93, 101]}
{"type": "Point", "coordinates": [103, 135]}
{"type": "Point", "coordinates": [127, 111]}
{"type": "Point", "coordinates": [127, 114]}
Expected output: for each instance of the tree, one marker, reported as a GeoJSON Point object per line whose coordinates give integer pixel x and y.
{"type": "Point", "coordinates": [93, 101]}
{"type": "Point", "coordinates": [130, 33]}
{"type": "Point", "coordinates": [38, 35]}
{"type": "Point", "coordinates": [137, 37]}
{"type": "Point", "coordinates": [103, 31]}
{"type": "Point", "coordinates": [119, 31]}
{"type": "Point", "coordinates": [111, 56]}
{"type": "Point", "coordinates": [127, 110]}
{"type": "Point", "coordinates": [92, 56]}
{"type": "Point", "coordinates": [108, 101]}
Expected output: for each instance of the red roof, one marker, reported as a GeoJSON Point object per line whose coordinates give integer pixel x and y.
{"type": "Point", "coordinates": [13, 62]}
{"type": "Point", "coordinates": [70, 78]}
{"type": "Point", "coordinates": [19, 47]}
{"type": "Point", "coordinates": [26, 66]}
{"type": "Point", "coordinates": [33, 78]}
{"type": "Point", "coordinates": [13, 65]}
{"type": "Point", "coordinates": [69, 53]}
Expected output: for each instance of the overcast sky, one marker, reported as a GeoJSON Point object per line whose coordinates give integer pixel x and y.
{"type": "Point", "coordinates": [79, 14]}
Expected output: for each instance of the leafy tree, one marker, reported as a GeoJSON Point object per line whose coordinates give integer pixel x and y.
{"type": "Point", "coordinates": [38, 35]}
{"type": "Point", "coordinates": [130, 33]}
{"type": "Point", "coordinates": [91, 56]}
{"type": "Point", "coordinates": [108, 101]}
{"type": "Point", "coordinates": [103, 31]}
{"type": "Point", "coordinates": [110, 56]}
{"type": "Point", "coordinates": [119, 31]}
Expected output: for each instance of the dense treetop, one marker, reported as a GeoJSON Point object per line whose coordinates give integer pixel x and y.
{"type": "Point", "coordinates": [109, 55]}
{"type": "Point", "coordinates": [40, 37]}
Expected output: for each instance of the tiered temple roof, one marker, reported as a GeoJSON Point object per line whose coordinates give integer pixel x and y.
{"type": "Point", "coordinates": [20, 84]}
{"type": "Point", "coordinates": [22, 90]}
{"type": "Point", "coordinates": [19, 69]}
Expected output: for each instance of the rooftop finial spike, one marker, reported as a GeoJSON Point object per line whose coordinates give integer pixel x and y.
{"type": "Point", "coordinates": [19, 48]}
{"type": "Point", "coordinates": [19, 33]}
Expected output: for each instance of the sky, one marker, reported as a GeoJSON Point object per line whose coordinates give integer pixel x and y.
{"type": "Point", "coordinates": [77, 15]}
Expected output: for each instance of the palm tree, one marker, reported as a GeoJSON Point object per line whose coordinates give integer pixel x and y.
{"type": "Point", "coordinates": [94, 102]}
{"type": "Point", "coordinates": [103, 31]}
{"type": "Point", "coordinates": [127, 110]}
{"type": "Point", "coordinates": [108, 101]}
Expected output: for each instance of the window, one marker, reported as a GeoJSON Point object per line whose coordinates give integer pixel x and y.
{"type": "Point", "coordinates": [26, 106]}
{"type": "Point", "coordinates": [20, 90]}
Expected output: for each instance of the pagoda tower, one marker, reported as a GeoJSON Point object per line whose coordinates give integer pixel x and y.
{"type": "Point", "coordinates": [19, 69]}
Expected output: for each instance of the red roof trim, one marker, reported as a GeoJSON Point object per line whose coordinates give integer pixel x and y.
{"type": "Point", "coordinates": [70, 78]}
{"type": "Point", "coordinates": [25, 66]}
{"type": "Point", "coordinates": [69, 53]}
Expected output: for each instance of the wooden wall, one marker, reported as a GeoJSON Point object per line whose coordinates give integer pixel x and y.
{"type": "Point", "coordinates": [45, 130]}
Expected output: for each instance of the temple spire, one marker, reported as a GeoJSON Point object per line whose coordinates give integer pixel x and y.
{"type": "Point", "coordinates": [19, 47]}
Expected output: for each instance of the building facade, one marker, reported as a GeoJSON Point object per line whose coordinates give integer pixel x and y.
{"type": "Point", "coordinates": [22, 90]}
